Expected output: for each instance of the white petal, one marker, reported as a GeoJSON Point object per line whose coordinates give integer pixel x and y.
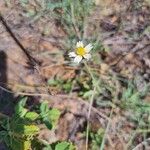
{"type": "Point", "coordinates": [77, 59]}
{"type": "Point", "coordinates": [87, 56]}
{"type": "Point", "coordinates": [88, 48]}
{"type": "Point", "coordinates": [72, 54]}
{"type": "Point", "coordinates": [79, 44]}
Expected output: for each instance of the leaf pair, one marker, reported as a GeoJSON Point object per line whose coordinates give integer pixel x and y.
{"type": "Point", "coordinates": [49, 116]}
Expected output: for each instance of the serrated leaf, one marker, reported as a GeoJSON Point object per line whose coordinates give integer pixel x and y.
{"type": "Point", "coordinates": [44, 109]}
{"type": "Point", "coordinates": [88, 94]}
{"type": "Point", "coordinates": [48, 147]}
{"type": "Point", "coordinates": [22, 130]}
{"type": "Point", "coordinates": [6, 139]}
{"type": "Point", "coordinates": [20, 145]}
{"type": "Point", "coordinates": [53, 116]}
{"type": "Point", "coordinates": [52, 82]}
{"type": "Point", "coordinates": [5, 123]}
{"type": "Point", "coordinates": [27, 145]}
{"type": "Point", "coordinates": [16, 144]}
{"type": "Point", "coordinates": [22, 112]}
{"type": "Point", "coordinates": [67, 86]}
{"type": "Point", "coordinates": [31, 130]}
{"type": "Point", "coordinates": [64, 146]}
{"type": "Point", "coordinates": [19, 109]}
{"type": "Point", "coordinates": [48, 123]}
{"type": "Point", "coordinates": [2, 135]}
{"type": "Point", "coordinates": [31, 116]}
{"type": "Point", "coordinates": [22, 101]}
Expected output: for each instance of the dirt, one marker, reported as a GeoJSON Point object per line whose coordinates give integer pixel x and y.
{"type": "Point", "coordinates": [124, 31]}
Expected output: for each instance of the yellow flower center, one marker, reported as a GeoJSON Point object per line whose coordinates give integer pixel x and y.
{"type": "Point", "coordinates": [80, 51]}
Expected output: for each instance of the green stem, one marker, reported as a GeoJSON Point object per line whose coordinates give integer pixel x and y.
{"type": "Point", "coordinates": [95, 81]}
{"type": "Point", "coordinates": [107, 128]}
{"type": "Point", "coordinates": [89, 70]}
{"type": "Point", "coordinates": [95, 86]}
{"type": "Point", "coordinates": [88, 117]}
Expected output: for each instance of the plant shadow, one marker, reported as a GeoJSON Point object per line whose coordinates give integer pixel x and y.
{"type": "Point", "coordinates": [6, 98]}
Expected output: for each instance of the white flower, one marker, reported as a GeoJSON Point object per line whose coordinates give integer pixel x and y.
{"type": "Point", "coordinates": [81, 52]}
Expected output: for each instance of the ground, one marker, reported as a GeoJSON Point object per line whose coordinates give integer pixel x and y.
{"type": "Point", "coordinates": [104, 102]}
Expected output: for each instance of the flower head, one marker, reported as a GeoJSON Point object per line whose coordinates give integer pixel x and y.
{"type": "Point", "coordinates": [81, 52]}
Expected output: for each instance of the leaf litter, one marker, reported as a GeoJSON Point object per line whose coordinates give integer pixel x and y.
{"type": "Point", "coordinates": [123, 29]}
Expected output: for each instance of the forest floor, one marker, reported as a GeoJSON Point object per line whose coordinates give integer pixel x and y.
{"type": "Point", "coordinates": [105, 102]}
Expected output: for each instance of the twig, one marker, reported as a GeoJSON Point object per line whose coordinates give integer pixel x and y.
{"type": "Point", "coordinates": [24, 93]}
{"type": "Point", "coordinates": [88, 117]}
{"type": "Point", "coordinates": [57, 95]}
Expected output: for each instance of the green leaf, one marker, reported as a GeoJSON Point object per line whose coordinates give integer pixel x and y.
{"type": "Point", "coordinates": [55, 5]}
{"type": "Point", "coordinates": [2, 135]}
{"type": "Point", "coordinates": [128, 92]}
{"type": "Point", "coordinates": [30, 130]}
{"type": "Point", "coordinates": [19, 109]}
{"type": "Point", "coordinates": [53, 82]}
{"type": "Point", "coordinates": [88, 94]}
{"type": "Point", "coordinates": [135, 97]}
{"type": "Point", "coordinates": [21, 112]}
{"type": "Point", "coordinates": [64, 146]}
{"type": "Point", "coordinates": [22, 102]}
{"type": "Point", "coordinates": [31, 116]}
{"type": "Point", "coordinates": [67, 86]}
{"type": "Point", "coordinates": [48, 147]}
{"type": "Point", "coordinates": [44, 109]}
{"type": "Point", "coordinates": [49, 117]}
{"type": "Point", "coordinates": [5, 123]}
{"type": "Point", "coordinates": [6, 139]}
{"type": "Point", "coordinates": [26, 145]}
{"type": "Point", "coordinates": [16, 144]}
{"type": "Point", "coordinates": [22, 130]}
{"type": "Point", "coordinates": [47, 122]}
{"type": "Point", "coordinates": [20, 144]}
{"type": "Point", "coordinates": [53, 116]}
